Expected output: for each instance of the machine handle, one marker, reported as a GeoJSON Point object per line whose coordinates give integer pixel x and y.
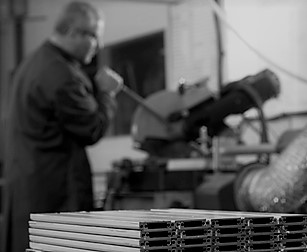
{"type": "Point", "coordinates": [140, 101]}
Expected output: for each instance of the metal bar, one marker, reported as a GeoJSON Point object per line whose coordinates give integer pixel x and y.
{"type": "Point", "coordinates": [86, 229]}
{"type": "Point", "coordinates": [101, 221]}
{"type": "Point", "coordinates": [85, 220]}
{"type": "Point", "coordinates": [247, 149]}
{"type": "Point", "coordinates": [99, 239]}
{"type": "Point", "coordinates": [53, 244]}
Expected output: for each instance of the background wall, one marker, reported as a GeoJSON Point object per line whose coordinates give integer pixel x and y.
{"type": "Point", "coordinates": [191, 50]}
{"type": "Point", "coordinates": [276, 30]}
{"type": "Point", "coordinates": [125, 20]}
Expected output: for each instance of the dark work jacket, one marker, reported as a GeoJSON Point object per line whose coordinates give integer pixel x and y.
{"type": "Point", "coordinates": [55, 112]}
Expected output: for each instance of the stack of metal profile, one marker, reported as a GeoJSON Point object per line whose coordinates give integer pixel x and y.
{"type": "Point", "coordinates": [160, 230]}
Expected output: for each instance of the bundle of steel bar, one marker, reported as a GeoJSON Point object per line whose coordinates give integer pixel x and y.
{"type": "Point", "coordinates": [170, 230]}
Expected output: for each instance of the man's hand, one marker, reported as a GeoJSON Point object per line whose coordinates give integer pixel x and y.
{"type": "Point", "coordinates": [109, 81]}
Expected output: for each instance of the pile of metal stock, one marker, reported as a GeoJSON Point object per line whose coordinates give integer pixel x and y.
{"type": "Point", "coordinates": [160, 230]}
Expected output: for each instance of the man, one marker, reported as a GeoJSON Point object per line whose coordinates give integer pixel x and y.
{"type": "Point", "coordinates": [55, 112]}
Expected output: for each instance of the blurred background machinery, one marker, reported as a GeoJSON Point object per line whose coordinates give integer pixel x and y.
{"type": "Point", "coordinates": [192, 153]}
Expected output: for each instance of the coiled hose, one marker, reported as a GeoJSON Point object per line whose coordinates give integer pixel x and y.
{"type": "Point", "coordinates": [280, 186]}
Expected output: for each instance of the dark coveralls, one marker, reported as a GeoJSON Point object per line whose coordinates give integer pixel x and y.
{"type": "Point", "coordinates": [55, 112]}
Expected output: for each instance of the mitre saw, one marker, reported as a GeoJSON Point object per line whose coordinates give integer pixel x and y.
{"type": "Point", "coordinates": [168, 122]}
{"type": "Point", "coordinates": [182, 125]}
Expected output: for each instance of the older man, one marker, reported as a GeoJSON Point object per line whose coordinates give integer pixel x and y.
{"type": "Point", "coordinates": [55, 111]}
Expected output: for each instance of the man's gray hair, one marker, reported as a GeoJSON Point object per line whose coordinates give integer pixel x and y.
{"type": "Point", "coordinates": [73, 13]}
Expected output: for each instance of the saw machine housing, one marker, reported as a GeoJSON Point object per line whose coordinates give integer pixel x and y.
{"type": "Point", "coordinates": [185, 111]}
{"type": "Point", "coordinates": [172, 177]}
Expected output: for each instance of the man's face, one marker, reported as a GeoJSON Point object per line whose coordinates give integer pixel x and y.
{"type": "Point", "coordinates": [87, 40]}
